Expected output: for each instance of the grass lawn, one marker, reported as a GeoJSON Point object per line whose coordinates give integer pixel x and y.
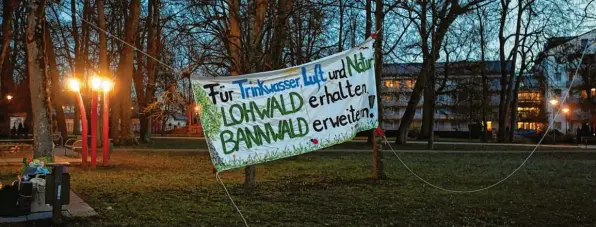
{"type": "Point", "coordinates": [176, 143]}
{"type": "Point", "coordinates": [334, 189]}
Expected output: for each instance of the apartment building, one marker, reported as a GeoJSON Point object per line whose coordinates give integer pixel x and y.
{"type": "Point", "coordinates": [569, 64]}
{"type": "Point", "coordinates": [461, 97]}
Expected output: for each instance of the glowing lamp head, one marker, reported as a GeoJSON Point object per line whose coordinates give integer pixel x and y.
{"type": "Point", "coordinates": [197, 108]}
{"type": "Point", "coordinates": [553, 102]}
{"type": "Point", "coordinates": [74, 84]}
{"type": "Point", "coordinates": [9, 97]}
{"type": "Point", "coordinates": [106, 85]}
{"type": "Point", "coordinates": [566, 110]}
{"type": "Point", "coordinates": [96, 83]}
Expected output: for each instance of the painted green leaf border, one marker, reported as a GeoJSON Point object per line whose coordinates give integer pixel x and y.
{"type": "Point", "coordinates": [291, 150]}
{"type": "Point", "coordinates": [210, 114]}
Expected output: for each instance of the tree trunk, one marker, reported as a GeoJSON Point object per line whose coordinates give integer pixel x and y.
{"type": "Point", "coordinates": [367, 32]}
{"type": "Point", "coordinates": [104, 68]}
{"type": "Point", "coordinates": [485, 91]}
{"type": "Point", "coordinates": [234, 50]}
{"type": "Point", "coordinates": [77, 64]}
{"type": "Point", "coordinates": [430, 56]}
{"type": "Point", "coordinates": [39, 81]}
{"type": "Point", "coordinates": [504, 77]}
{"type": "Point", "coordinates": [408, 117]}
{"type": "Point", "coordinates": [421, 80]}
{"type": "Point", "coordinates": [125, 71]}
{"type": "Point", "coordinates": [512, 82]}
{"type": "Point", "coordinates": [57, 101]}
{"type": "Point", "coordinates": [259, 17]}
{"type": "Point", "coordinates": [145, 94]}
{"type": "Point", "coordinates": [378, 172]}
{"type": "Point", "coordinates": [280, 33]}
{"type": "Point", "coordinates": [524, 53]}
{"type": "Point", "coordinates": [427, 109]}
{"type": "Point", "coordinates": [234, 37]}
{"type": "Point", "coordinates": [340, 42]}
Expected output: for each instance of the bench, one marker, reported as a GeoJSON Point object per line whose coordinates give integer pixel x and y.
{"type": "Point", "coordinates": [75, 144]}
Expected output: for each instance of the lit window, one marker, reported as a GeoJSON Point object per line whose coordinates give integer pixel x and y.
{"type": "Point", "coordinates": [387, 97]}
{"type": "Point", "coordinates": [489, 125]}
{"type": "Point", "coordinates": [409, 83]}
{"type": "Point", "coordinates": [388, 83]}
{"type": "Point", "coordinates": [396, 83]}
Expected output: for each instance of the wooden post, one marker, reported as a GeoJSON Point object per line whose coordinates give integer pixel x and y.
{"type": "Point", "coordinates": [378, 172]}
{"type": "Point", "coordinates": [57, 172]}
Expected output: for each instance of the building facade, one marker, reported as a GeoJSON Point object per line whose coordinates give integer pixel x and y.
{"type": "Point", "coordinates": [461, 98]}
{"type": "Point", "coordinates": [568, 65]}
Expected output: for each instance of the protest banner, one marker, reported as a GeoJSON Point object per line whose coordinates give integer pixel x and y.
{"type": "Point", "coordinates": [266, 116]}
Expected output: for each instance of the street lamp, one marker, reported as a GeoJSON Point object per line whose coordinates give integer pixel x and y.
{"type": "Point", "coordinates": [106, 86]}
{"type": "Point", "coordinates": [566, 112]}
{"type": "Point", "coordinates": [95, 83]}
{"type": "Point", "coordinates": [554, 103]}
{"type": "Point", "coordinates": [75, 85]}
{"type": "Point", "coordinates": [9, 97]}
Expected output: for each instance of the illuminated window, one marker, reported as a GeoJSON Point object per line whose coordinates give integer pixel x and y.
{"type": "Point", "coordinates": [593, 92]}
{"type": "Point", "coordinates": [388, 83]}
{"type": "Point", "coordinates": [529, 96]}
{"type": "Point", "coordinates": [408, 83]}
{"type": "Point", "coordinates": [396, 83]}
{"type": "Point", "coordinates": [387, 97]}
{"type": "Point", "coordinates": [489, 125]}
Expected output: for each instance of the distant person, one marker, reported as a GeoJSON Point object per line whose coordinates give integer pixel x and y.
{"type": "Point", "coordinates": [20, 130]}
{"type": "Point", "coordinates": [578, 135]}
{"type": "Point", "coordinates": [25, 131]}
{"type": "Point", "coordinates": [585, 130]}
{"type": "Point", "coordinates": [13, 131]}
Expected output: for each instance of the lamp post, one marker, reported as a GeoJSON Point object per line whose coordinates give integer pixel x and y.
{"type": "Point", "coordinates": [106, 86]}
{"type": "Point", "coordinates": [553, 103]}
{"type": "Point", "coordinates": [95, 83]}
{"type": "Point", "coordinates": [75, 85]}
{"type": "Point", "coordinates": [9, 97]}
{"type": "Point", "coordinates": [566, 112]}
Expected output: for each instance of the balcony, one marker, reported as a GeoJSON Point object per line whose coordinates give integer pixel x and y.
{"type": "Point", "coordinates": [395, 103]}
{"type": "Point", "coordinates": [576, 83]}
{"type": "Point", "coordinates": [395, 89]}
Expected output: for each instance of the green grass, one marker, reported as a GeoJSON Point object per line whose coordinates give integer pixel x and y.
{"type": "Point", "coordinates": [174, 144]}
{"type": "Point", "coordinates": [200, 144]}
{"type": "Point", "coordinates": [334, 189]}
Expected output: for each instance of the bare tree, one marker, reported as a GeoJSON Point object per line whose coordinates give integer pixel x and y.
{"type": "Point", "coordinates": [121, 108]}
{"type": "Point", "coordinates": [378, 172]}
{"type": "Point", "coordinates": [431, 36]}
{"type": "Point", "coordinates": [57, 101]}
